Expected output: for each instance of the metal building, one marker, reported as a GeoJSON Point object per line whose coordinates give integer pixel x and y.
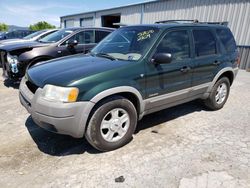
{"type": "Point", "coordinates": [235, 12]}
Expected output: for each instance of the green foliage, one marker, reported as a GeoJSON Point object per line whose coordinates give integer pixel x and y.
{"type": "Point", "coordinates": [41, 25]}
{"type": "Point", "coordinates": [3, 27]}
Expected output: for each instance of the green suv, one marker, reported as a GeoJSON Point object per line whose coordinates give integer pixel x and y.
{"type": "Point", "coordinates": [134, 71]}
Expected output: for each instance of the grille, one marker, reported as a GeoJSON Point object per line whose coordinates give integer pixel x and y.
{"type": "Point", "coordinates": [32, 87]}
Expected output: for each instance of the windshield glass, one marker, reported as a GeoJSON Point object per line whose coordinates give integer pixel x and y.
{"type": "Point", "coordinates": [128, 43]}
{"type": "Point", "coordinates": [56, 36]}
{"type": "Point", "coordinates": [33, 34]}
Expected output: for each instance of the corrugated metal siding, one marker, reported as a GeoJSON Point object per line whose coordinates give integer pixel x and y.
{"type": "Point", "coordinates": [244, 57]}
{"type": "Point", "coordinates": [130, 15]}
{"type": "Point", "coordinates": [236, 12]}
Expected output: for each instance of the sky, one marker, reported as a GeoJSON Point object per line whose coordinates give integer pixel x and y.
{"type": "Point", "coordinates": [26, 12]}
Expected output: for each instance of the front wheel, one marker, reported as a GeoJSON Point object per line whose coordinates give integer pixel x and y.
{"type": "Point", "coordinates": [112, 124]}
{"type": "Point", "coordinates": [219, 94]}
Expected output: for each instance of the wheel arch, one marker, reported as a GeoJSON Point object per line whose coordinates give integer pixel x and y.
{"type": "Point", "coordinates": [227, 72]}
{"type": "Point", "coordinates": [128, 92]}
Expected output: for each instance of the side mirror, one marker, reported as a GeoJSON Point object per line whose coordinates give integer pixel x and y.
{"type": "Point", "coordinates": [162, 58]}
{"type": "Point", "coordinates": [71, 43]}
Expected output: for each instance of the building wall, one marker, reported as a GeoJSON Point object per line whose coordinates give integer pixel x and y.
{"type": "Point", "coordinates": [236, 12]}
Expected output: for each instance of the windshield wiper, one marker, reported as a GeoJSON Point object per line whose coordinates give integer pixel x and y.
{"type": "Point", "coordinates": [106, 56]}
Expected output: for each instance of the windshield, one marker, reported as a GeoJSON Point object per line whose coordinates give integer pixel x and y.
{"type": "Point", "coordinates": [34, 34]}
{"type": "Point", "coordinates": [56, 36]}
{"type": "Point", "coordinates": [128, 43]}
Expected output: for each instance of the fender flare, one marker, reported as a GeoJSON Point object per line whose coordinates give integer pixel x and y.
{"type": "Point", "coordinates": [227, 69]}
{"type": "Point", "coordinates": [117, 90]}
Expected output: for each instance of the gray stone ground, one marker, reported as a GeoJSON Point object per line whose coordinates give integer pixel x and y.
{"type": "Point", "coordinates": [185, 146]}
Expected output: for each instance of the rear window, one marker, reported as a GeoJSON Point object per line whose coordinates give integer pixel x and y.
{"type": "Point", "coordinates": [205, 43]}
{"type": "Point", "coordinates": [227, 39]}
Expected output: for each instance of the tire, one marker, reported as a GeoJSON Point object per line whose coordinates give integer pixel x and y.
{"type": "Point", "coordinates": [216, 101]}
{"type": "Point", "coordinates": [112, 124]}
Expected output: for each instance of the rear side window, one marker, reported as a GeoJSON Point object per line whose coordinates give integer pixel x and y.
{"type": "Point", "coordinates": [205, 43]}
{"type": "Point", "coordinates": [99, 35]}
{"type": "Point", "coordinates": [227, 39]}
{"type": "Point", "coordinates": [176, 43]}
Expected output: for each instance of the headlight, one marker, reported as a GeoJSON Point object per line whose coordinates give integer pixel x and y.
{"type": "Point", "coordinates": [12, 59]}
{"type": "Point", "coordinates": [60, 94]}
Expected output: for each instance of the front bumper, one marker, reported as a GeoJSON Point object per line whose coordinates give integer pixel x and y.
{"type": "Point", "coordinates": [63, 118]}
{"type": "Point", "coordinates": [7, 68]}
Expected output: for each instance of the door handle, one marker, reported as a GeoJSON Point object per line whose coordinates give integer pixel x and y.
{"type": "Point", "coordinates": [216, 62]}
{"type": "Point", "coordinates": [185, 69]}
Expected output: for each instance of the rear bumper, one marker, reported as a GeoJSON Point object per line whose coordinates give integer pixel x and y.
{"type": "Point", "coordinates": [62, 118]}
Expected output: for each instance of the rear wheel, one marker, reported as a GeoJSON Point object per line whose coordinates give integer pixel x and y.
{"type": "Point", "coordinates": [219, 94]}
{"type": "Point", "coordinates": [112, 124]}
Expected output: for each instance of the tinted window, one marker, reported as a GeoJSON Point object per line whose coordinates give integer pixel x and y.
{"type": "Point", "coordinates": [205, 43]}
{"type": "Point", "coordinates": [83, 37]}
{"type": "Point", "coordinates": [227, 39]}
{"type": "Point", "coordinates": [176, 43]}
{"type": "Point", "coordinates": [99, 35]}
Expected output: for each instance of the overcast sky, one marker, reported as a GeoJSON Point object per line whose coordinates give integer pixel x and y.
{"type": "Point", "coordinates": [26, 12]}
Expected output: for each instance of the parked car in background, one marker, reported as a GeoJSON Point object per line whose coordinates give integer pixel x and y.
{"type": "Point", "coordinates": [15, 34]}
{"type": "Point", "coordinates": [135, 71]}
{"type": "Point", "coordinates": [17, 57]}
{"type": "Point", "coordinates": [32, 37]}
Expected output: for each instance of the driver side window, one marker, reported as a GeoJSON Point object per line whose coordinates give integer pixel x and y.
{"type": "Point", "coordinates": [83, 37]}
{"type": "Point", "coordinates": [175, 43]}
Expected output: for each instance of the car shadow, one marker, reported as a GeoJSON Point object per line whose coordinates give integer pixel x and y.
{"type": "Point", "coordinates": [61, 145]}
{"type": "Point", "coordinates": [169, 114]}
{"type": "Point", "coordinates": [9, 83]}
{"type": "Point", "coordinates": [56, 144]}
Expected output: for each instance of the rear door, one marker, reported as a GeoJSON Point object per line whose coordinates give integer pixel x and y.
{"type": "Point", "coordinates": [207, 57]}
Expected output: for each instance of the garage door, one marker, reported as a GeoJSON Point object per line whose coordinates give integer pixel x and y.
{"type": "Point", "coordinates": [87, 22]}
{"type": "Point", "coordinates": [69, 23]}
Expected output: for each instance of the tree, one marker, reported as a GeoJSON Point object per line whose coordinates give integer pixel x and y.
{"type": "Point", "coordinates": [41, 25]}
{"type": "Point", "coordinates": [3, 27]}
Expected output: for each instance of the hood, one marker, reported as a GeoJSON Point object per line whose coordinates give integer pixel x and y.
{"type": "Point", "coordinates": [64, 71]}
{"type": "Point", "coordinates": [7, 41]}
{"type": "Point", "coordinates": [21, 45]}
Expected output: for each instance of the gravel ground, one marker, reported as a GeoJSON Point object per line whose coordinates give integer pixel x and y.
{"type": "Point", "coordinates": [184, 146]}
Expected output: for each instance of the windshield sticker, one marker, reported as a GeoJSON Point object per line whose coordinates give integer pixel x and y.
{"type": "Point", "coordinates": [144, 35]}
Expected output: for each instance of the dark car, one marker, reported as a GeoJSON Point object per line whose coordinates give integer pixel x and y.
{"type": "Point", "coordinates": [135, 71]}
{"type": "Point", "coordinates": [15, 34]}
{"type": "Point", "coordinates": [17, 57]}
{"type": "Point", "coordinates": [32, 37]}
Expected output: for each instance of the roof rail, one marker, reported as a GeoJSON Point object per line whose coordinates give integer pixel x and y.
{"type": "Point", "coordinates": [191, 21]}
{"type": "Point", "coordinates": [177, 21]}
{"type": "Point", "coordinates": [219, 23]}
{"type": "Point", "coordinates": [120, 24]}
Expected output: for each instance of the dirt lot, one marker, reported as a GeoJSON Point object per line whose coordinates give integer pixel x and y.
{"type": "Point", "coordinates": [184, 146]}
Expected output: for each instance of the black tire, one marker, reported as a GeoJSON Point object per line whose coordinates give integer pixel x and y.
{"type": "Point", "coordinates": [211, 102]}
{"type": "Point", "coordinates": [93, 132]}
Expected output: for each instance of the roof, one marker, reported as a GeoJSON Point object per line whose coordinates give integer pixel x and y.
{"type": "Point", "coordinates": [84, 28]}
{"type": "Point", "coordinates": [168, 25]}
{"type": "Point", "coordinates": [129, 5]}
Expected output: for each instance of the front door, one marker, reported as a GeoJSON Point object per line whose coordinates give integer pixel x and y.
{"type": "Point", "coordinates": [168, 83]}
{"type": "Point", "coordinates": [85, 39]}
